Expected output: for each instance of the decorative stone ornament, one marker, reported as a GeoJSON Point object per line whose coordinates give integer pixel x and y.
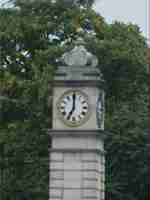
{"type": "Point", "coordinates": [79, 56]}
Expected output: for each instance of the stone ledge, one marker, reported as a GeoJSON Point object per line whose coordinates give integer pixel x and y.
{"type": "Point", "coordinates": [71, 150]}
{"type": "Point", "coordinates": [79, 83]}
{"type": "Point", "coordinates": [76, 133]}
{"type": "Point", "coordinates": [75, 188]}
{"type": "Point", "coordinates": [84, 179]}
{"type": "Point", "coordinates": [76, 170]}
{"type": "Point", "coordinates": [83, 161]}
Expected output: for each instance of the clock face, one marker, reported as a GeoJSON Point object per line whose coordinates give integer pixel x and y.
{"type": "Point", "coordinates": [73, 108]}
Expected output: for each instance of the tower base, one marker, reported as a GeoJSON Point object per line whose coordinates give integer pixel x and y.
{"type": "Point", "coordinates": [76, 173]}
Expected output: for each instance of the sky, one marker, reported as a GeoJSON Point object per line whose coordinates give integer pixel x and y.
{"type": "Point", "coordinates": [134, 11]}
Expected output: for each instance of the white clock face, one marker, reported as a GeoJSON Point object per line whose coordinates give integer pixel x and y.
{"type": "Point", "coordinates": [73, 108]}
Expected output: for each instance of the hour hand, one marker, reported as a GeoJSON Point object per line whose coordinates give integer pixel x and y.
{"type": "Point", "coordinates": [73, 106]}
{"type": "Point", "coordinates": [74, 100]}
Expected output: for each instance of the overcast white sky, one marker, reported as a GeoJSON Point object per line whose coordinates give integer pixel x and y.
{"type": "Point", "coordinates": [135, 11]}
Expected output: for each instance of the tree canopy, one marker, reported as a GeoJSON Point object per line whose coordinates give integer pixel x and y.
{"type": "Point", "coordinates": [33, 36]}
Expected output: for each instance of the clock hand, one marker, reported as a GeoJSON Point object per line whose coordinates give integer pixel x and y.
{"type": "Point", "coordinates": [74, 99]}
{"type": "Point", "coordinates": [73, 106]}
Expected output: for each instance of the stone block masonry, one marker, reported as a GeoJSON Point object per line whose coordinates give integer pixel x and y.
{"type": "Point", "coordinates": [76, 175]}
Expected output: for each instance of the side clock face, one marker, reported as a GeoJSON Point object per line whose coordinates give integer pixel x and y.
{"type": "Point", "coordinates": [73, 108]}
{"type": "Point", "coordinates": [100, 111]}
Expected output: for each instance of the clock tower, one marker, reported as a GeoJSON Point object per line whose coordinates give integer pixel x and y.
{"type": "Point", "coordinates": [77, 157]}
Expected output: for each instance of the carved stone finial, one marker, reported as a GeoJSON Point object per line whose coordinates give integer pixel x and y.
{"type": "Point", "coordinates": [79, 56]}
{"type": "Point", "coordinates": [80, 41]}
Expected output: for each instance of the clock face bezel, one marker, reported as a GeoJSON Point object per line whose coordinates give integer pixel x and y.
{"type": "Point", "coordinates": [62, 118]}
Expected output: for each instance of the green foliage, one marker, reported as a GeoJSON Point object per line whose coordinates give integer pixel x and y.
{"type": "Point", "coordinates": [33, 35]}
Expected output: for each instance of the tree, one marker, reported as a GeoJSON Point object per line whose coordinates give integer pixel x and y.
{"type": "Point", "coordinates": [33, 36]}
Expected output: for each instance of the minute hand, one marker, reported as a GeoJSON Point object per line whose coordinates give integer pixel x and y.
{"type": "Point", "coordinates": [73, 106]}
